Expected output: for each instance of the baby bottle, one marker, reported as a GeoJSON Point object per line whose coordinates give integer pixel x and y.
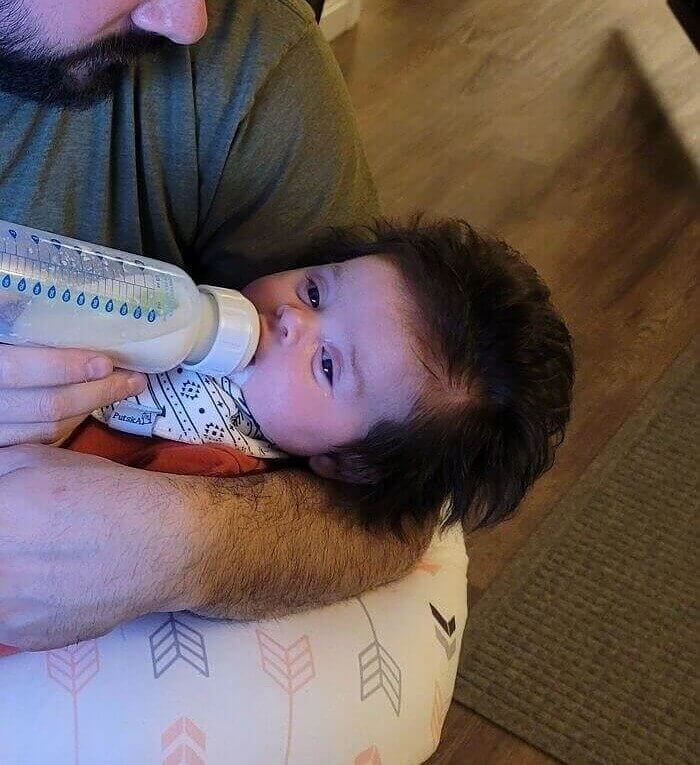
{"type": "Point", "coordinates": [146, 315]}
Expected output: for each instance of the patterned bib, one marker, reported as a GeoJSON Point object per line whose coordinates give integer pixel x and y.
{"type": "Point", "coordinates": [180, 405]}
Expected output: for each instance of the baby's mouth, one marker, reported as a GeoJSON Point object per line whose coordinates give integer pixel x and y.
{"type": "Point", "coordinates": [262, 340]}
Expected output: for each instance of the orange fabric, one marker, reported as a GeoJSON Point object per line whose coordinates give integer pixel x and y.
{"type": "Point", "coordinates": [161, 456]}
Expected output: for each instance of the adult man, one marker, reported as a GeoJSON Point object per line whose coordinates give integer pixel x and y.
{"type": "Point", "coordinates": [222, 157]}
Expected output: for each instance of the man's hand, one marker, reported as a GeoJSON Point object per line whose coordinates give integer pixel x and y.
{"type": "Point", "coordinates": [45, 393]}
{"type": "Point", "coordinates": [84, 544]}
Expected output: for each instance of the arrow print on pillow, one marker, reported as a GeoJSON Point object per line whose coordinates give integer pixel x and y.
{"type": "Point", "coordinates": [378, 669]}
{"type": "Point", "coordinates": [183, 742]}
{"type": "Point", "coordinates": [444, 631]}
{"type": "Point", "coordinates": [176, 640]}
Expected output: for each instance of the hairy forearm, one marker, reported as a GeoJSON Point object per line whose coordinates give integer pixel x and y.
{"type": "Point", "coordinates": [272, 545]}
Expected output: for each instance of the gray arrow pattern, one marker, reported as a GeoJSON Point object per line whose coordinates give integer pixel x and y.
{"type": "Point", "coordinates": [444, 631]}
{"type": "Point", "coordinates": [175, 640]}
{"type": "Point", "coordinates": [379, 670]}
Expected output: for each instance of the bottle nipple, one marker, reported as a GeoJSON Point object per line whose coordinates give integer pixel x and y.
{"type": "Point", "coordinates": [236, 326]}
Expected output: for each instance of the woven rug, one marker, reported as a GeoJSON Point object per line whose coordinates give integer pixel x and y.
{"type": "Point", "coordinates": [587, 645]}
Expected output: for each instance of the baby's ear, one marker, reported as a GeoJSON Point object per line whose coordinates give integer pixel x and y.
{"type": "Point", "coordinates": [325, 465]}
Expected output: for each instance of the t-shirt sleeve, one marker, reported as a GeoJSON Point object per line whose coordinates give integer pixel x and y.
{"type": "Point", "coordinates": [295, 166]}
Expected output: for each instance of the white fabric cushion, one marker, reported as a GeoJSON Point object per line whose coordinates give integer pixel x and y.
{"type": "Point", "coordinates": [362, 682]}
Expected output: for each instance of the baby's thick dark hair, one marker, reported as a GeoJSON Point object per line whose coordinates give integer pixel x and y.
{"type": "Point", "coordinates": [491, 416]}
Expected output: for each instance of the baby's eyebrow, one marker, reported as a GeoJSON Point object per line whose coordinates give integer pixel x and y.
{"type": "Point", "coordinates": [338, 272]}
{"type": "Point", "coordinates": [359, 377]}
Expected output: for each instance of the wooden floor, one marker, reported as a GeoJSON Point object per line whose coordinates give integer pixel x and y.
{"type": "Point", "coordinates": [573, 130]}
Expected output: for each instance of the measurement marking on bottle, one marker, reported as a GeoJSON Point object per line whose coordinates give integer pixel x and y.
{"type": "Point", "coordinates": [88, 278]}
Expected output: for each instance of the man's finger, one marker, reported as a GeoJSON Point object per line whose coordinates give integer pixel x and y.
{"type": "Point", "coordinates": [48, 433]}
{"type": "Point", "coordinates": [36, 405]}
{"type": "Point", "coordinates": [22, 367]}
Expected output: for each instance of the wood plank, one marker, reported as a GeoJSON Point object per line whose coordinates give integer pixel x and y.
{"type": "Point", "coordinates": [572, 130]}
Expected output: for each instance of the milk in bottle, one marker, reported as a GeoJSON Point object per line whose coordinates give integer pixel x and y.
{"type": "Point", "coordinates": [146, 315]}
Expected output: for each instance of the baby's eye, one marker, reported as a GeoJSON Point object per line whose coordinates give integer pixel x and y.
{"type": "Point", "coordinates": [327, 365]}
{"type": "Point", "coordinates": [313, 293]}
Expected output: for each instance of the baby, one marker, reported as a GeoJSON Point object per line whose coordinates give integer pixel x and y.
{"type": "Point", "coordinates": [413, 364]}
{"type": "Point", "coordinates": [419, 367]}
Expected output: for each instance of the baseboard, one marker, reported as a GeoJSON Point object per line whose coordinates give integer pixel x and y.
{"type": "Point", "coordinates": [339, 16]}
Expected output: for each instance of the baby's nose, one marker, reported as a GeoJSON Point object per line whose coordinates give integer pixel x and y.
{"type": "Point", "coordinates": [292, 324]}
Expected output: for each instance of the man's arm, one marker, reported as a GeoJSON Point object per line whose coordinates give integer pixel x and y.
{"type": "Point", "coordinates": [276, 544]}
{"type": "Point", "coordinates": [86, 543]}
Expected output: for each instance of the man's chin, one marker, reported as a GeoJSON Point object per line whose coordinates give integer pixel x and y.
{"type": "Point", "coordinates": [61, 88]}
{"type": "Point", "coordinates": [77, 80]}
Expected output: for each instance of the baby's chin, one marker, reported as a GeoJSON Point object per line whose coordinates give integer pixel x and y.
{"type": "Point", "coordinates": [271, 422]}
{"type": "Point", "coordinates": [258, 407]}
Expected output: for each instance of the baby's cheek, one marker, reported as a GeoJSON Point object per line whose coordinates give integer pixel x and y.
{"type": "Point", "coordinates": [286, 414]}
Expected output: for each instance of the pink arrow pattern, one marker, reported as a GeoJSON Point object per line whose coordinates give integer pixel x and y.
{"type": "Point", "coordinates": [368, 757]}
{"type": "Point", "coordinates": [73, 668]}
{"type": "Point", "coordinates": [183, 743]}
{"type": "Point", "coordinates": [437, 718]}
{"type": "Point", "coordinates": [429, 568]}
{"type": "Point", "coordinates": [291, 667]}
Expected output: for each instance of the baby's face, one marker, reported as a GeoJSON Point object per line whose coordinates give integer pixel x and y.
{"type": "Point", "coordinates": [335, 355]}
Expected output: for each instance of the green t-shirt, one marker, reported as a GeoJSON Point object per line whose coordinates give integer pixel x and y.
{"type": "Point", "coordinates": [221, 157]}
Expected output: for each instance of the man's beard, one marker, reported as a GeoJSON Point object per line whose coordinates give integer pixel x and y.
{"type": "Point", "coordinates": [75, 80]}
